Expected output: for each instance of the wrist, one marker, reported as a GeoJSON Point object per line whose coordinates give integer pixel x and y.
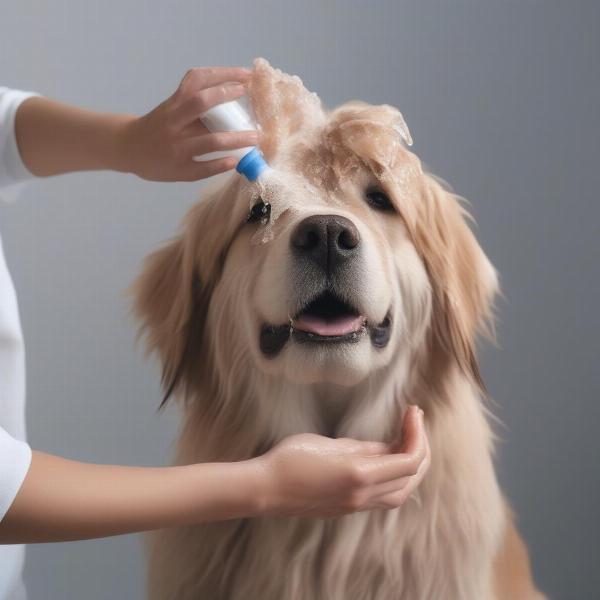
{"type": "Point", "coordinates": [120, 147]}
{"type": "Point", "coordinates": [259, 486]}
{"type": "Point", "coordinates": [222, 490]}
{"type": "Point", "coordinates": [267, 502]}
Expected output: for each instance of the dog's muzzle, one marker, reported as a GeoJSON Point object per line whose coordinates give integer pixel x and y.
{"type": "Point", "coordinates": [326, 249]}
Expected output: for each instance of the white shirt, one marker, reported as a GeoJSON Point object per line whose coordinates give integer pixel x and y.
{"type": "Point", "coordinates": [15, 454]}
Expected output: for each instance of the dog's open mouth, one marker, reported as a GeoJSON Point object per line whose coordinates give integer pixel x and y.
{"type": "Point", "coordinates": [327, 319]}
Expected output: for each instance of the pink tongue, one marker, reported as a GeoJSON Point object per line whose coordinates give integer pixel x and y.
{"type": "Point", "coordinates": [336, 326]}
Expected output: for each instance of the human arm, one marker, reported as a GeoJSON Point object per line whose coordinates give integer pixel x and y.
{"type": "Point", "coordinates": [305, 474]}
{"type": "Point", "coordinates": [55, 138]}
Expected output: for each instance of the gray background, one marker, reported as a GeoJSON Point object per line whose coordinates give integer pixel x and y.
{"type": "Point", "coordinates": [502, 99]}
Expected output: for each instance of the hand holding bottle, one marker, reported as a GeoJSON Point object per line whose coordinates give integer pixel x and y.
{"type": "Point", "coordinates": [162, 145]}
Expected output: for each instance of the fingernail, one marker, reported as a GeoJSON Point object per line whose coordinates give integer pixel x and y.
{"type": "Point", "coordinates": [234, 88]}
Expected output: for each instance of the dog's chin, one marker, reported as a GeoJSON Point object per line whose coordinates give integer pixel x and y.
{"type": "Point", "coordinates": [344, 364]}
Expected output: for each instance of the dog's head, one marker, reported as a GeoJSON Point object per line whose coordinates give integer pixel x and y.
{"type": "Point", "coordinates": [342, 261]}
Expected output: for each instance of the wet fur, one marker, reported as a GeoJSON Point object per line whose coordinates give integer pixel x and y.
{"type": "Point", "coordinates": [455, 539]}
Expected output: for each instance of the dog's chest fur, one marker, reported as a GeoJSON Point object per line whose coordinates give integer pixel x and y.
{"type": "Point", "coordinates": [439, 545]}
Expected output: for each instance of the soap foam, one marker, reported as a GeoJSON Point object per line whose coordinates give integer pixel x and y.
{"type": "Point", "coordinates": [313, 153]}
{"type": "Point", "coordinates": [282, 106]}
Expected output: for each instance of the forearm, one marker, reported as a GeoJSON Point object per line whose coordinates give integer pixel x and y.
{"type": "Point", "coordinates": [56, 138]}
{"type": "Point", "coordinates": [64, 500]}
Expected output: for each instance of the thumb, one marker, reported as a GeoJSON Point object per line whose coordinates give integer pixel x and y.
{"type": "Point", "coordinates": [367, 448]}
{"type": "Point", "coordinates": [409, 433]}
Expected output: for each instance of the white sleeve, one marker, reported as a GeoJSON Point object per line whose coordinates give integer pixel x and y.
{"type": "Point", "coordinates": [15, 458]}
{"type": "Point", "coordinates": [12, 169]}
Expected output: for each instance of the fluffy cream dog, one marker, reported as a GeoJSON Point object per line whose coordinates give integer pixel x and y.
{"type": "Point", "coordinates": [327, 299]}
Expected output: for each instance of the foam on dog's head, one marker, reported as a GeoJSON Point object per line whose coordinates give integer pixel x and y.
{"type": "Point", "coordinates": [284, 111]}
{"type": "Point", "coordinates": [376, 134]}
{"type": "Point", "coordinates": [313, 151]}
{"type": "Point", "coordinates": [282, 106]}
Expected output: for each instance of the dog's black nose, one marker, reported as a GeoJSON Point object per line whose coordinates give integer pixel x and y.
{"type": "Point", "coordinates": [328, 240]}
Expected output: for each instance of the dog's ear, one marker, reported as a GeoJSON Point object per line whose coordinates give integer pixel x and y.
{"type": "Point", "coordinates": [464, 282]}
{"type": "Point", "coordinates": [282, 106]}
{"type": "Point", "coordinates": [171, 296]}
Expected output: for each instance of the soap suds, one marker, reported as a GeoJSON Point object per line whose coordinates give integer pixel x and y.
{"type": "Point", "coordinates": [282, 106]}
{"type": "Point", "coordinates": [313, 152]}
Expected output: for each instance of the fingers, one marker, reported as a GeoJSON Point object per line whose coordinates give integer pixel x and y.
{"type": "Point", "coordinates": [389, 487]}
{"type": "Point", "coordinates": [208, 168]}
{"type": "Point", "coordinates": [407, 486]}
{"type": "Point", "coordinates": [364, 448]}
{"type": "Point", "coordinates": [214, 142]}
{"type": "Point", "coordinates": [385, 468]}
{"type": "Point", "coordinates": [194, 129]}
{"type": "Point", "coordinates": [195, 103]}
{"type": "Point", "coordinates": [203, 77]}
{"type": "Point", "coordinates": [203, 88]}
{"type": "Point", "coordinates": [410, 430]}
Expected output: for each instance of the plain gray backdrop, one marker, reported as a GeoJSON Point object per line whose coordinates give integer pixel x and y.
{"type": "Point", "coordinates": [503, 101]}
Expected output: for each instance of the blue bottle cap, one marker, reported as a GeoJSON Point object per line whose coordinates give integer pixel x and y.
{"type": "Point", "coordinates": [252, 165]}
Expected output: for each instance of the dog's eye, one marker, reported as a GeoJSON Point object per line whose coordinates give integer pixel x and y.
{"type": "Point", "coordinates": [259, 212]}
{"type": "Point", "coordinates": [379, 200]}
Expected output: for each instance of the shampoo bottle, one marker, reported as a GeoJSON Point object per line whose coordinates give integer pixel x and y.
{"type": "Point", "coordinates": [232, 116]}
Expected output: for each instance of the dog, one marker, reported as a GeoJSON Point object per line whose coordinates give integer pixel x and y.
{"type": "Point", "coordinates": [328, 298]}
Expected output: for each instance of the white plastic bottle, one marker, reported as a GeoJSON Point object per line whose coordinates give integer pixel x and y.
{"type": "Point", "coordinates": [232, 116]}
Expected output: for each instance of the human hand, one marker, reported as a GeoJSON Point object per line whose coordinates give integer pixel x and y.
{"type": "Point", "coordinates": [160, 146]}
{"type": "Point", "coordinates": [317, 476]}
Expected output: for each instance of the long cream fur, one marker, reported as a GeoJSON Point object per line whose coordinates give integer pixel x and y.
{"type": "Point", "coordinates": [444, 542]}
